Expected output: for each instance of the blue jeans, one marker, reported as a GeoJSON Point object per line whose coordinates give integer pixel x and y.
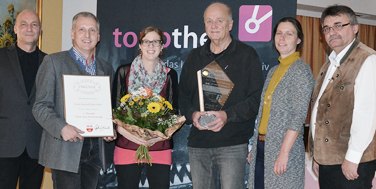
{"type": "Point", "coordinates": [259, 167]}
{"type": "Point", "coordinates": [88, 171]}
{"type": "Point", "coordinates": [229, 162]}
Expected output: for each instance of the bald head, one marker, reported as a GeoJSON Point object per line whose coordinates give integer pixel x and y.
{"type": "Point", "coordinates": [28, 29]}
{"type": "Point", "coordinates": [221, 6]}
{"type": "Point", "coordinates": [27, 13]}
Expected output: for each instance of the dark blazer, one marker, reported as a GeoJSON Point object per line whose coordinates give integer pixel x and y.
{"type": "Point", "coordinates": [18, 128]}
{"type": "Point", "coordinates": [48, 110]}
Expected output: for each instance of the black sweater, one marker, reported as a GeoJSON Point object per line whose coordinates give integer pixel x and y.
{"type": "Point", "coordinates": [242, 65]}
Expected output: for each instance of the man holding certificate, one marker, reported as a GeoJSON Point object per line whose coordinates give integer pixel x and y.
{"type": "Point", "coordinates": [233, 97]}
{"type": "Point", "coordinates": [75, 161]}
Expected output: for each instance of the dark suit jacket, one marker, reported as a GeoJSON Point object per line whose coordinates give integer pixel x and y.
{"type": "Point", "coordinates": [18, 128]}
{"type": "Point", "coordinates": [48, 110]}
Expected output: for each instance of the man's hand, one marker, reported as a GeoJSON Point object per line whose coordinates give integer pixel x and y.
{"type": "Point", "coordinates": [350, 170]}
{"type": "Point", "coordinates": [280, 164]}
{"type": "Point", "coordinates": [195, 116]}
{"type": "Point", "coordinates": [218, 123]}
{"type": "Point", "coordinates": [71, 133]}
{"type": "Point", "coordinates": [315, 168]}
{"type": "Point", "coordinates": [109, 139]}
{"type": "Point", "coordinates": [249, 157]}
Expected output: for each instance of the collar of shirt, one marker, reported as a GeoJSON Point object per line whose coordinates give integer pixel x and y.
{"type": "Point", "coordinates": [82, 58]}
{"type": "Point", "coordinates": [336, 59]}
{"type": "Point", "coordinates": [81, 61]}
{"type": "Point", "coordinates": [21, 52]}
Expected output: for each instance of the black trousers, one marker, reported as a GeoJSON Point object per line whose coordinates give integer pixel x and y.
{"type": "Point", "coordinates": [23, 167]}
{"type": "Point", "coordinates": [331, 177]}
{"type": "Point", "coordinates": [128, 176]}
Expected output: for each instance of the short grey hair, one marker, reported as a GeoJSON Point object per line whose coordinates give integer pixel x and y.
{"type": "Point", "coordinates": [337, 10]}
{"type": "Point", "coordinates": [86, 15]}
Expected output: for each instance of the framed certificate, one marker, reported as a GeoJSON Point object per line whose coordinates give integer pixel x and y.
{"type": "Point", "coordinates": [87, 104]}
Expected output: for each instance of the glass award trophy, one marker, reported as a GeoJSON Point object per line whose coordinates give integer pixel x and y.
{"type": "Point", "coordinates": [214, 87]}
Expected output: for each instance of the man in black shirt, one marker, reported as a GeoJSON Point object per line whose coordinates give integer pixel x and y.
{"type": "Point", "coordinates": [221, 148]}
{"type": "Point", "coordinates": [20, 134]}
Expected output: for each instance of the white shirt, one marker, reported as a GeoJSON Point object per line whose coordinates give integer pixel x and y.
{"type": "Point", "coordinates": [363, 124]}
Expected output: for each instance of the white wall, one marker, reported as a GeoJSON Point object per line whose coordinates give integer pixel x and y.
{"type": "Point", "coordinates": [359, 6]}
{"type": "Point", "coordinates": [71, 8]}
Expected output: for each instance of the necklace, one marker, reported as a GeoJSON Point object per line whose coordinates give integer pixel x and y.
{"type": "Point", "coordinates": [268, 99]}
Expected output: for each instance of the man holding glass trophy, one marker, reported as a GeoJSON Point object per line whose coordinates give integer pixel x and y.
{"type": "Point", "coordinates": [228, 72]}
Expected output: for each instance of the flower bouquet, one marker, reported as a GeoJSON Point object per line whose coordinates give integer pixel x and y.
{"type": "Point", "coordinates": [147, 116]}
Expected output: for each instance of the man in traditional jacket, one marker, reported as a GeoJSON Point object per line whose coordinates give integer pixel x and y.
{"type": "Point", "coordinates": [343, 121]}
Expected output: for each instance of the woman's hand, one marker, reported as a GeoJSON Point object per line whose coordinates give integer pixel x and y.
{"type": "Point", "coordinates": [152, 141]}
{"type": "Point", "coordinates": [315, 168]}
{"type": "Point", "coordinates": [129, 136]}
{"type": "Point", "coordinates": [280, 165]}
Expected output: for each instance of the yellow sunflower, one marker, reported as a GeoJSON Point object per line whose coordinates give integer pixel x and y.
{"type": "Point", "coordinates": [169, 106]}
{"type": "Point", "coordinates": [125, 98]}
{"type": "Point", "coordinates": [154, 107]}
{"type": "Point", "coordinates": [140, 103]}
{"type": "Point", "coordinates": [7, 23]}
{"type": "Point", "coordinates": [10, 7]}
{"type": "Point", "coordinates": [136, 98]}
{"type": "Point", "coordinates": [6, 40]}
{"type": "Point", "coordinates": [131, 103]}
{"type": "Point", "coordinates": [162, 99]}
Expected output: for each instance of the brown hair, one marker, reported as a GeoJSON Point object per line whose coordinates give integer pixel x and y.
{"type": "Point", "coordinates": [297, 26]}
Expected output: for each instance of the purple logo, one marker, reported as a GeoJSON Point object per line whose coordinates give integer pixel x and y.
{"type": "Point", "coordinates": [255, 22]}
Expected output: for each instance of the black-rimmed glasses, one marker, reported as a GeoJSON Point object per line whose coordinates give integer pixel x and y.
{"type": "Point", "coordinates": [155, 43]}
{"type": "Point", "coordinates": [336, 27]}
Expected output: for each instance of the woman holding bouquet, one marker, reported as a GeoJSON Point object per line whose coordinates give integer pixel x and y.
{"type": "Point", "coordinates": [277, 155]}
{"type": "Point", "coordinates": [146, 71]}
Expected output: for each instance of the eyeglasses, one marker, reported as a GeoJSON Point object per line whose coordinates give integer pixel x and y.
{"type": "Point", "coordinates": [336, 27]}
{"type": "Point", "coordinates": [155, 43]}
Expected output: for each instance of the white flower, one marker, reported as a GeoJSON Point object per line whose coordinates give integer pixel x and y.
{"type": "Point", "coordinates": [122, 104]}
{"type": "Point", "coordinates": [144, 114]}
